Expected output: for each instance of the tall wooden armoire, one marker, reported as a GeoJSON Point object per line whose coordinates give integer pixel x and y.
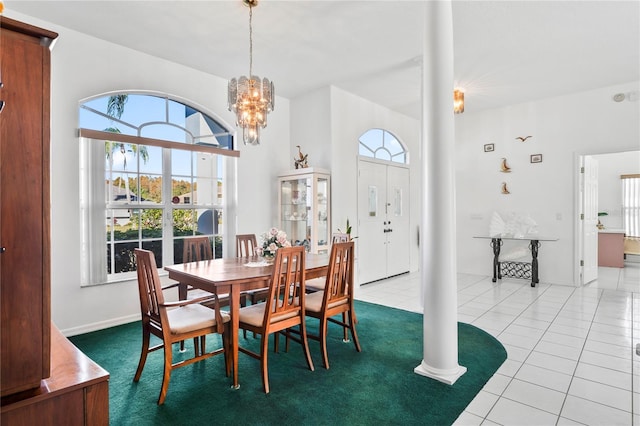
{"type": "Point", "coordinates": [44, 379]}
{"type": "Point", "coordinates": [25, 335]}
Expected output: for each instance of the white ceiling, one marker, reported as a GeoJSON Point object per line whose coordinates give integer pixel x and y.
{"type": "Point", "coordinates": [506, 52]}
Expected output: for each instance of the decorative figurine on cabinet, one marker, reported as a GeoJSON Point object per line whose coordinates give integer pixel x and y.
{"type": "Point", "coordinates": [301, 161]}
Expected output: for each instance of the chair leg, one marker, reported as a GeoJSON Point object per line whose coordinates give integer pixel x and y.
{"type": "Point", "coordinates": [352, 326]}
{"type": "Point", "coordinates": [166, 375]}
{"type": "Point", "coordinates": [264, 351]}
{"type": "Point", "coordinates": [305, 343]}
{"type": "Point", "coordinates": [322, 328]}
{"type": "Point", "coordinates": [203, 345]}
{"type": "Point", "coordinates": [344, 329]}
{"type": "Point", "coordinates": [143, 354]}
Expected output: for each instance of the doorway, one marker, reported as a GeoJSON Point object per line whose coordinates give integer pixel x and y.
{"type": "Point", "coordinates": [383, 220]}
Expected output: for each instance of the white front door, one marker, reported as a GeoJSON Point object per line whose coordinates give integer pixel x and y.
{"type": "Point", "coordinates": [383, 221]}
{"type": "Point", "coordinates": [589, 219]}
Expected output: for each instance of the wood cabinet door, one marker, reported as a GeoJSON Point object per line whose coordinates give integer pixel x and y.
{"type": "Point", "coordinates": [24, 211]}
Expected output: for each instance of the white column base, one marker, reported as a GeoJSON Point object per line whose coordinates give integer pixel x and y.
{"type": "Point", "coordinates": [445, 376]}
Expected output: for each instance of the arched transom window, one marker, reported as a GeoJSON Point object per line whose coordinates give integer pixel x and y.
{"type": "Point", "coordinates": [382, 145]}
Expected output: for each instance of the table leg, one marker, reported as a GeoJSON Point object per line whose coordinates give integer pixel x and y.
{"type": "Point", "coordinates": [495, 245]}
{"type": "Point", "coordinates": [234, 311]}
{"type": "Point", "coordinates": [535, 244]}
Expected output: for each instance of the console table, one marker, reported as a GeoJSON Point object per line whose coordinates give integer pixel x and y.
{"type": "Point", "coordinates": [517, 269]}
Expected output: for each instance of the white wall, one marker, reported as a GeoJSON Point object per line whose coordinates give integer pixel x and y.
{"type": "Point", "coordinates": [562, 128]}
{"type": "Point", "coordinates": [610, 167]}
{"type": "Point", "coordinates": [84, 66]}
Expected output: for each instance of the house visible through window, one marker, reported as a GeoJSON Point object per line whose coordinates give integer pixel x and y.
{"type": "Point", "coordinates": [154, 170]}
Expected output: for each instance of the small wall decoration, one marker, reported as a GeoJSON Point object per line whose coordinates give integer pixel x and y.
{"type": "Point", "coordinates": [301, 161]}
{"type": "Point", "coordinates": [504, 168]}
{"type": "Point", "coordinates": [536, 158]}
{"type": "Point", "coordinates": [505, 190]}
{"type": "Point", "coordinates": [522, 139]}
{"type": "Point", "coordinates": [489, 147]}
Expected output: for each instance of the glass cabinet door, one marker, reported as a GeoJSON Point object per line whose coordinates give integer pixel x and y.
{"type": "Point", "coordinates": [305, 208]}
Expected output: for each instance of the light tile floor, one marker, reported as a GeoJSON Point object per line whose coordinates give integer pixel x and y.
{"type": "Point", "coordinates": [571, 351]}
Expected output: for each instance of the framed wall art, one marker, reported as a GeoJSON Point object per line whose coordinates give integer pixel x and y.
{"type": "Point", "coordinates": [489, 147]}
{"type": "Point", "coordinates": [536, 158]}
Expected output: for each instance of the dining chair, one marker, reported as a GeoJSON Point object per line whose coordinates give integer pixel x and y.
{"type": "Point", "coordinates": [174, 322]}
{"type": "Point", "coordinates": [283, 308]}
{"type": "Point", "coordinates": [317, 284]}
{"type": "Point", "coordinates": [196, 249]}
{"type": "Point", "coordinates": [246, 245]}
{"type": "Point", "coordinates": [337, 298]}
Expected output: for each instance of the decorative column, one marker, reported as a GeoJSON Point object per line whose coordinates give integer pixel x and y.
{"type": "Point", "coordinates": [438, 252]}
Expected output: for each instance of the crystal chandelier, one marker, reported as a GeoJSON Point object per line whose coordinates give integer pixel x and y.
{"type": "Point", "coordinates": [250, 98]}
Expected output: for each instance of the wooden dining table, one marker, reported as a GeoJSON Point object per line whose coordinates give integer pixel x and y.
{"type": "Point", "coordinates": [233, 276]}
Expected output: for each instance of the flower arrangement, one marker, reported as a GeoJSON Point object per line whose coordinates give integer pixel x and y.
{"type": "Point", "coordinates": [272, 240]}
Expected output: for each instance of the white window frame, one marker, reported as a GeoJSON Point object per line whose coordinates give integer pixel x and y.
{"type": "Point", "coordinates": [94, 205]}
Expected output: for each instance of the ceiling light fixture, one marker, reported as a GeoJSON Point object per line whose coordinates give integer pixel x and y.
{"type": "Point", "coordinates": [249, 98]}
{"type": "Point", "coordinates": [458, 101]}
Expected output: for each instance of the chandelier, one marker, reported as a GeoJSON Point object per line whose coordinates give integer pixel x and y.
{"type": "Point", "coordinates": [250, 98]}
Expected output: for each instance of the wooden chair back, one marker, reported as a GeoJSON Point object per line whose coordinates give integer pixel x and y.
{"type": "Point", "coordinates": [246, 245]}
{"type": "Point", "coordinates": [339, 281]}
{"type": "Point", "coordinates": [286, 290]}
{"type": "Point", "coordinates": [196, 249]}
{"type": "Point", "coordinates": [339, 237]}
{"type": "Point", "coordinates": [150, 289]}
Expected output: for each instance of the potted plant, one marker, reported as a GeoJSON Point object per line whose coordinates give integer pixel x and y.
{"type": "Point", "coordinates": [600, 225]}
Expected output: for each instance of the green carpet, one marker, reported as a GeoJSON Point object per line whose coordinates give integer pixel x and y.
{"type": "Point", "coordinates": [375, 386]}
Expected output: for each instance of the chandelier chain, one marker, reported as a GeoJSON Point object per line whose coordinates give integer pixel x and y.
{"type": "Point", "coordinates": [250, 41]}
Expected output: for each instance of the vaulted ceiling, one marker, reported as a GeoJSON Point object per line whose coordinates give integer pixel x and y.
{"type": "Point", "coordinates": [506, 52]}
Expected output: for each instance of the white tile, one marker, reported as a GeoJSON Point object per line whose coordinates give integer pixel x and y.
{"type": "Point", "coordinates": [592, 413]}
{"type": "Point", "coordinates": [517, 340]}
{"type": "Point", "coordinates": [607, 376]}
{"type": "Point", "coordinates": [552, 362]}
{"type": "Point", "coordinates": [558, 350]}
{"type": "Point", "coordinates": [600, 393]}
{"type": "Point", "coordinates": [468, 419]}
{"type": "Point", "coordinates": [482, 404]}
{"type": "Point", "coordinates": [608, 361]}
{"type": "Point", "coordinates": [563, 339]}
{"type": "Point", "coordinates": [507, 412]}
{"type": "Point", "coordinates": [563, 421]}
{"type": "Point", "coordinates": [537, 396]}
{"type": "Point", "coordinates": [614, 339]}
{"type": "Point", "coordinates": [544, 377]}
{"type": "Point", "coordinates": [611, 329]}
{"type": "Point", "coordinates": [497, 384]}
{"type": "Point", "coordinates": [625, 352]}
{"type": "Point", "coordinates": [509, 368]}
{"type": "Point", "coordinates": [532, 323]}
{"type": "Point", "coordinates": [515, 353]}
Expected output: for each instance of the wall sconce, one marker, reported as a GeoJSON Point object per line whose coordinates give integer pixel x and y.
{"type": "Point", "coordinates": [458, 101]}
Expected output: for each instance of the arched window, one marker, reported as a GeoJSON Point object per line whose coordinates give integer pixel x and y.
{"type": "Point", "coordinates": [154, 170]}
{"type": "Point", "coordinates": [382, 145]}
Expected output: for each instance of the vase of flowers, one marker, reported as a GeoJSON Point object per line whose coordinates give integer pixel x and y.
{"type": "Point", "coordinates": [272, 240]}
